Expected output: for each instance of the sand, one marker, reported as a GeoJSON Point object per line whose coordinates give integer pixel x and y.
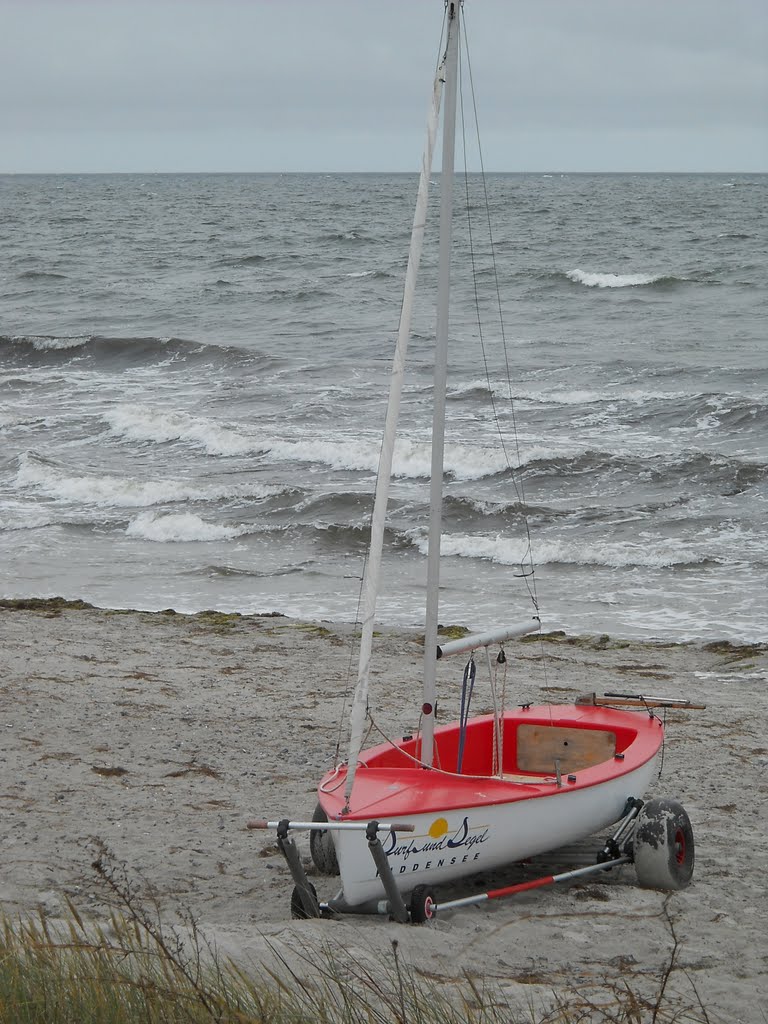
{"type": "Point", "coordinates": [162, 735]}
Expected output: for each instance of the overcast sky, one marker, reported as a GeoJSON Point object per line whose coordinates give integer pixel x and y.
{"type": "Point", "coordinates": [334, 85]}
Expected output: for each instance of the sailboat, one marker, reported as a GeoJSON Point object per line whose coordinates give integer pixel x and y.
{"type": "Point", "coordinates": [400, 818]}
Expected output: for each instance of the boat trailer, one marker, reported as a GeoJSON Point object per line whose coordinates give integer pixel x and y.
{"type": "Point", "coordinates": [619, 848]}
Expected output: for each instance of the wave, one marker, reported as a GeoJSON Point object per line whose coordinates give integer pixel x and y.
{"type": "Point", "coordinates": [119, 353]}
{"type": "Point", "coordinates": [298, 293]}
{"type": "Point", "coordinates": [736, 412]}
{"type": "Point", "coordinates": [599, 280]}
{"type": "Point", "coordinates": [235, 571]}
{"type": "Point", "coordinates": [46, 343]}
{"type": "Point", "coordinates": [462, 507]}
{"type": "Point", "coordinates": [412, 458]}
{"type": "Point", "coordinates": [336, 504]}
{"type": "Point", "coordinates": [121, 492]}
{"type": "Point", "coordinates": [504, 391]}
{"type": "Point", "coordinates": [346, 236]}
{"type": "Point", "coordinates": [345, 504]}
{"type": "Point", "coordinates": [244, 261]}
{"type": "Point", "coordinates": [730, 408]}
{"type": "Point", "coordinates": [18, 516]}
{"type": "Point", "coordinates": [652, 553]}
{"type": "Point", "coordinates": [186, 527]}
{"type": "Point", "coordinates": [40, 275]}
{"type": "Point", "coordinates": [144, 424]}
{"type": "Point", "coordinates": [13, 419]}
{"type": "Point", "coordinates": [645, 454]}
{"type": "Point", "coordinates": [565, 395]}
{"type": "Point", "coordinates": [729, 474]}
{"type": "Point", "coordinates": [376, 274]}
{"type": "Point", "coordinates": [657, 410]}
{"type": "Point", "coordinates": [180, 527]}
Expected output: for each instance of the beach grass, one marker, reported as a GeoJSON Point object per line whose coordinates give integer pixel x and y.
{"type": "Point", "coordinates": [118, 973]}
{"type": "Point", "coordinates": [132, 967]}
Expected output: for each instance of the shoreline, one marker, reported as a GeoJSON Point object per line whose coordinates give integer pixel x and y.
{"type": "Point", "coordinates": [59, 604]}
{"type": "Point", "coordinates": [162, 734]}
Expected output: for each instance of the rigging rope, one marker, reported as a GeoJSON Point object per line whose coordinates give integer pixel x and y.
{"type": "Point", "coordinates": [516, 472]}
{"type": "Point", "coordinates": [527, 565]}
{"type": "Point", "coordinates": [500, 707]}
{"type": "Point", "coordinates": [467, 687]}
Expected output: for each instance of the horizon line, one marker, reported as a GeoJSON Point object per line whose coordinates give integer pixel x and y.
{"type": "Point", "coordinates": [410, 173]}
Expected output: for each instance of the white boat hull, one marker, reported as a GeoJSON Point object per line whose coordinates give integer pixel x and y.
{"type": "Point", "coordinates": [468, 840]}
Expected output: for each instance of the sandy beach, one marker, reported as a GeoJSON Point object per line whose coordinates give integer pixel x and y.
{"type": "Point", "coordinates": [163, 734]}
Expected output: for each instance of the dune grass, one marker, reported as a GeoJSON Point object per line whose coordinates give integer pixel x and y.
{"type": "Point", "coordinates": [132, 968]}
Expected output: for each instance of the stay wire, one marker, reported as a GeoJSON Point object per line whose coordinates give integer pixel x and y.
{"type": "Point", "coordinates": [527, 562]}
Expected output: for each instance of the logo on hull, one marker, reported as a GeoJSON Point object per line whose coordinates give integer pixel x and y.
{"type": "Point", "coordinates": [438, 848]}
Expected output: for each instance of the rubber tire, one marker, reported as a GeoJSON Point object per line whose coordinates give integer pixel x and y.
{"type": "Point", "coordinates": [663, 847]}
{"type": "Point", "coordinates": [298, 913]}
{"type": "Point", "coordinates": [322, 847]}
{"type": "Point", "coordinates": [422, 905]}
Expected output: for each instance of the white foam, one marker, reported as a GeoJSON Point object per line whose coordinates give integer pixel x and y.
{"type": "Point", "coordinates": [51, 344]}
{"type": "Point", "coordinates": [352, 454]}
{"type": "Point", "coordinates": [412, 459]}
{"type": "Point", "coordinates": [595, 280]}
{"type": "Point", "coordinates": [563, 395]}
{"type": "Point", "coordinates": [112, 491]}
{"type": "Point", "coordinates": [651, 553]}
{"type": "Point", "coordinates": [465, 462]}
{"type": "Point", "coordinates": [17, 517]}
{"type": "Point", "coordinates": [179, 527]}
{"type": "Point", "coordinates": [142, 423]}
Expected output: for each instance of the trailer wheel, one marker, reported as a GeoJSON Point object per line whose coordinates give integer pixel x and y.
{"type": "Point", "coordinates": [422, 905]}
{"type": "Point", "coordinates": [663, 845]}
{"type": "Point", "coordinates": [322, 848]}
{"type": "Point", "coordinates": [298, 911]}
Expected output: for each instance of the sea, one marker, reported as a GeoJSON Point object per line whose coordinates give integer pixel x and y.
{"type": "Point", "coordinates": [194, 372]}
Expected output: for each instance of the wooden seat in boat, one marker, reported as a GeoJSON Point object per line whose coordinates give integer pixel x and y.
{"type": "Point", "coordinates": [539, 746]}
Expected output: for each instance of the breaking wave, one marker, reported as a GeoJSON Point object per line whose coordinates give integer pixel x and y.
{"type": "Point", "coordinates": [121, 492]}
{"type": "Point", "coordinates": [597, 280]}
{"type": "Point", "coordinates": [117, 353]}
{"type": "Point", "coordinates": [141, 423]}
{"type": "Point", "coordinates": [659, 553]}
{"type": "Point", "coordinates": [47, 343]}
{"type": "Point", "coordinates": [412, 458]}
{"type": "Point", "coordinates": [179, 527]}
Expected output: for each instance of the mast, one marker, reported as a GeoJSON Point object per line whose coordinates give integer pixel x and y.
{"type": "Point", "coordinates": [440, 376]}
{"type": "Point", "coordinates": [373, 566]}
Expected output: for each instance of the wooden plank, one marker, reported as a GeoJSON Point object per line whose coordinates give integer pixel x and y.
{"type": "Point", "coordinates": [539, 746]}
